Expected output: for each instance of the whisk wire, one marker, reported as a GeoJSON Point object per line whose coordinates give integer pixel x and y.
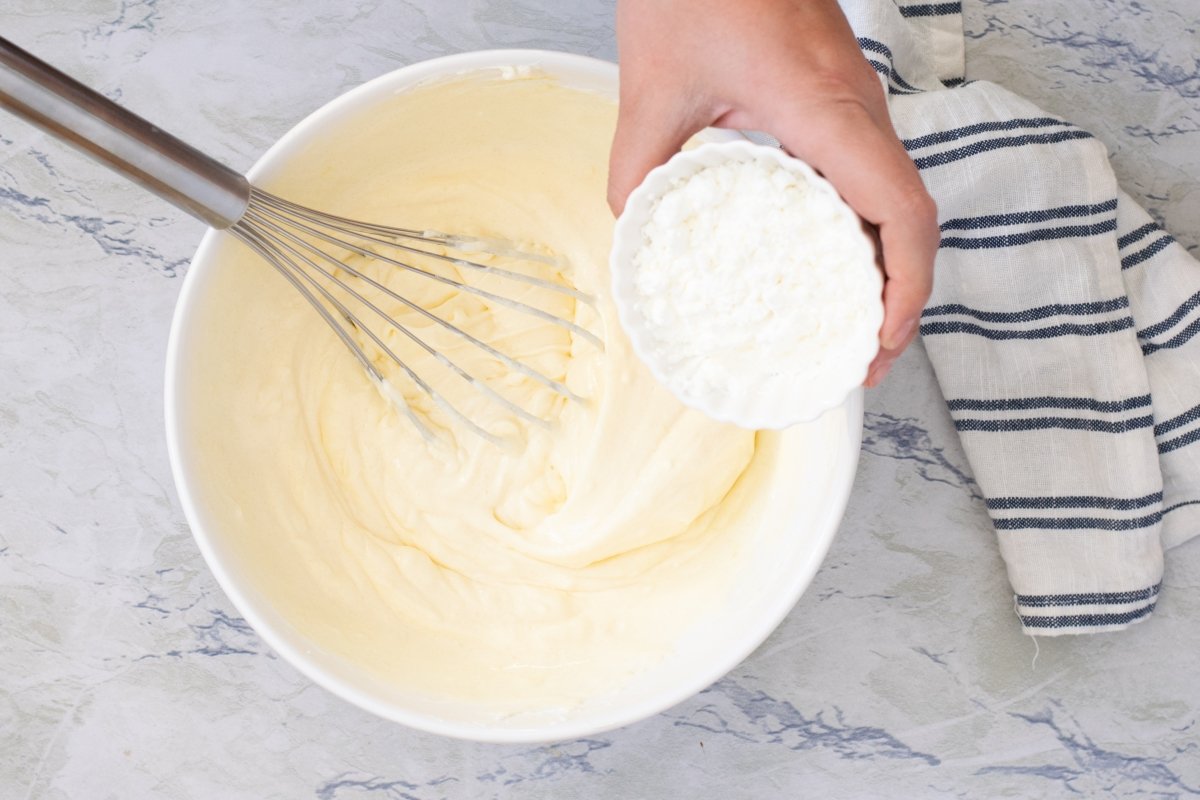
{"type": "Point", "coordinates": [508, 360]}
{"type": "Point", "coordinates": [355, 321]}
{"type": "Point", "coordinates": [426, 237]}
{"type": "Point", "coordinates": [507, 302]}
{"type": "Point", "coordinates": [442, 358]}
{"type": "Point", "coordinates": [269, 253]}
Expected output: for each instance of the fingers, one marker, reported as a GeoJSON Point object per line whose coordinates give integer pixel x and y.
{"type": "Point", "coordinates": [874, 174]}
{"type": "Point", "coordinates": [910, 243]}
{"type": "Point", "coordinates": [649, 131]}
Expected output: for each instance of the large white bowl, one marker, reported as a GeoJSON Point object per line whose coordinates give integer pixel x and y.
{"type": "Point", "coordinates": [776, 572]}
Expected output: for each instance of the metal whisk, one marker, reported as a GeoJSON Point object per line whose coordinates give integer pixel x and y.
{"type": "Point", "coordinates": [293, 239]}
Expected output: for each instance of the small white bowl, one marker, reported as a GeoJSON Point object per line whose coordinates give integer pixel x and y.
{"type": "Point", "coordinates": [780, 566]}
{"type": "Point", "coordinates": [843, 372]}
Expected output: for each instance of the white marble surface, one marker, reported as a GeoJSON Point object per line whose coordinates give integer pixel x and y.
{"type": "Point", "coordinates": [126, 673]}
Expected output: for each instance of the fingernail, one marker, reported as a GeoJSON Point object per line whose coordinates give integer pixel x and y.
{"type": "Point", "coordinates": [877, 374]}
{"type": "Point", "coordinates": [880, 372]}
{"type": "Point", "coordinates": [900, 335]}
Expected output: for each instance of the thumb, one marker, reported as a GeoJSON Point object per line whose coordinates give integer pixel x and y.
{"type": "Point", "coordinates": [648, 133]}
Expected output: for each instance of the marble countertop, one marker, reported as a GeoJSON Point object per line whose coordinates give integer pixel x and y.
{"type": "Point", "coordinates": [126, 673]}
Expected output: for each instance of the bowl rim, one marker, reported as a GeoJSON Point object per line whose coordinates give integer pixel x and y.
{"type": "Point", "coordinates": [206, 540]}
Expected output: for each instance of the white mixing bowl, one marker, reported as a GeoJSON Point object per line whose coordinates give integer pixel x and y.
{"type": "Point", "coordinates": [779, 567]}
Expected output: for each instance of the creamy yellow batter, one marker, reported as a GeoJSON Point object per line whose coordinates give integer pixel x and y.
{"type": "Point", "coordinates": [517, 578]}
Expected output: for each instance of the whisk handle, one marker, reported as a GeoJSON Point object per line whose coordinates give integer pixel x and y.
{"type": "Point", "coordinates": [133, 147]}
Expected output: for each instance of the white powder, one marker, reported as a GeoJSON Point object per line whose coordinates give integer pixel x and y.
{"type": "Point", "coordinates": [752, 281]}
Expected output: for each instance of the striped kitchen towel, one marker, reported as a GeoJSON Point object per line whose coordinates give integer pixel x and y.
{"type": "Point", "coordinates": [1064, 329]}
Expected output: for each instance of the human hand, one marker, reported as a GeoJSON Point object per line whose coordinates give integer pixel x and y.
{"type": "Point", "coordinates": [791, 68]}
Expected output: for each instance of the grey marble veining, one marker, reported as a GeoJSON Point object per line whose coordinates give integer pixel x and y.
{"type": "Point", "coordinates": [126, 673]}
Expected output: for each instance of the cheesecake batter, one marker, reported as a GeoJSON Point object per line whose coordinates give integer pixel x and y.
{"type": "Point", "coordinates": [515, 578]}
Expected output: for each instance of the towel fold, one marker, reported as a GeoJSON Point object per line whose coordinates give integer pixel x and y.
{"type": "Point", "coordinates": [1064, 329]}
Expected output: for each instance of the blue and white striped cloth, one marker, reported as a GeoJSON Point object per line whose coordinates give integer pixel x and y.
{"type": "Point", "coordinates": [1064, 329]}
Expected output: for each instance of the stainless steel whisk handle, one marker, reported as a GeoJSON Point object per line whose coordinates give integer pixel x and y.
{"type": "Point", "coordinates": [141, 152]}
